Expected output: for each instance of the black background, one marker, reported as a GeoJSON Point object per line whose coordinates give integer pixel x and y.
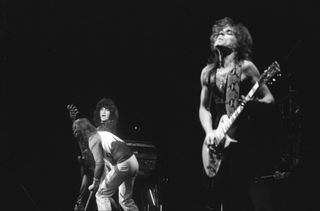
{"type": "Point", "coordinates": [147, 56]}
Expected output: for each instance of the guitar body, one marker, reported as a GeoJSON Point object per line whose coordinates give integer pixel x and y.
{"type": "Point", "coordinates": [210, 160]}
{"type": "Point", "coordinates": [212, 155]}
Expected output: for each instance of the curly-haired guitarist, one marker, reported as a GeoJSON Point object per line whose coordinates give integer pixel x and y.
{"type": "Point", "coordinates": [225, 81]}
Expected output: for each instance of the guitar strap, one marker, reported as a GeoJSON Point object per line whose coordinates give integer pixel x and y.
{"type": "Point", "coordinates": [233, 89]}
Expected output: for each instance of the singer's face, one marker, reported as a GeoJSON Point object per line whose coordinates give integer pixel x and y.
{"type": "Point", "coordinates": [104, 114]}
{"type": "Point", "coordinates": [226, 38]}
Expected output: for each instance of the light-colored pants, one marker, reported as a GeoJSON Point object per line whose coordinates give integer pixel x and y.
{"type": "Point", "coordinates": [121, 176]}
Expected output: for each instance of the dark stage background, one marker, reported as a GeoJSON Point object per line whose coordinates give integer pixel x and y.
{"type": "Point", "coordinates": [147, 56]}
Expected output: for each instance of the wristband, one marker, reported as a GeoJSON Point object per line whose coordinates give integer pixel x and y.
{"type": "Point", "coordinates": [96, 180]}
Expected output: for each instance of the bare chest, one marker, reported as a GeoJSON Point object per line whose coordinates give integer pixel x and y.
{"type": "Point", "coordinates": [221, 77]}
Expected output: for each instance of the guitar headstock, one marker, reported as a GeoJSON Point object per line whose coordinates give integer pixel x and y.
{"type": "Point", "coordinates": [73, 112]}
{"type": "Point", "coordinates": [272, 71]}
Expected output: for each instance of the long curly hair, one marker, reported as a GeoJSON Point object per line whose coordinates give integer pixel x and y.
{"type": "Point", "coordinates": [244, 44]}
{"type": "Point", "coordinates": [84, 127]}
{"type": "Point", "coordinates": [112, 122]}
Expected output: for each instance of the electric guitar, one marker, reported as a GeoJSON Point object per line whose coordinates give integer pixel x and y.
{"type": "Point", "coordinates": [73, 112]}
{"type": "Point", "coordinates": [212, 154]}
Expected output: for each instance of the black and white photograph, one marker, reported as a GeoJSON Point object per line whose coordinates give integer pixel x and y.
{"type": "Point", "coordinates": [159, 105]}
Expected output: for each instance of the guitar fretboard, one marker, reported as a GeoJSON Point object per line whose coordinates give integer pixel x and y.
{"type": "Point", "coordinates": [236, 113]}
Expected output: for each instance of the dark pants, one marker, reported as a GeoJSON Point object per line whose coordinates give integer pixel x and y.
{"type": "Point", "coordinates": [87, 176]}
{"type": "Point", "coordinates": [229, 189]}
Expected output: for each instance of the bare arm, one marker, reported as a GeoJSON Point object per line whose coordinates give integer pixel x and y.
{"type": "Point", "coordinates": [97, 151]}
{"type": "Point", "coordinates": [205, 101]}
{"type": "Point", "coordinates": [205, 114]}
{"type": "Point", "coordinates": [263, 93]}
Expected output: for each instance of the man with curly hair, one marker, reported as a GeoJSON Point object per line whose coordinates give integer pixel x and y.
{"type": "Point", "coordinates": [106, 115]}
{"type": "Point", "coordinates": [225, 80]}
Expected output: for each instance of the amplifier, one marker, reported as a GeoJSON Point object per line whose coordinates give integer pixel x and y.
{"type": "Point", "coordinates": [146, 155]}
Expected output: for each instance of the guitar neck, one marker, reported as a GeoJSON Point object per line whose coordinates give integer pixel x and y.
{"type": "Point", "coordinates": [73, 119]}
{"type": "Point", "coordinates": [239, 109]}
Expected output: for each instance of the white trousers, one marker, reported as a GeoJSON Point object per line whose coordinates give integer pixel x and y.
{"type": "Point", "coordinates": [121, 177]}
